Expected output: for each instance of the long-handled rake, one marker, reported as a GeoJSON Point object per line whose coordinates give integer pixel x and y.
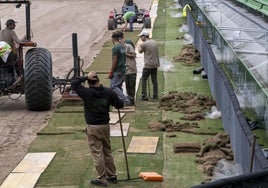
{"type": "Point", "coordinates": [124, 145]}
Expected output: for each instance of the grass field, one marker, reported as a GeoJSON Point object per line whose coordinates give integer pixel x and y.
{"type": "Point", "coordinates": [73, 167]}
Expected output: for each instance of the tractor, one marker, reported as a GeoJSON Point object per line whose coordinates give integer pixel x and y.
{"type": "Point", "coordinates": [142, 16]}
{"type": "Point", "coordinates": [37, 84]}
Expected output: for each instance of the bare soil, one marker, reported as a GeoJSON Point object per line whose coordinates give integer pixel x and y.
{"type": "Point", "coordinates": [189, 55]}
{"type": "Point", "coordinates": [213, 150]}
{"type": "Point", "coordinates": [209, 153]}
{"type": "Point", "coordinates": [192, 105]}
{"type": "Point", "coordinates": [52, 24]}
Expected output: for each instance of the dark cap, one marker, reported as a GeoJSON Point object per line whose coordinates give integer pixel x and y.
{"type": "Point", "coordinates": [10, 21]}
{"type": "Point", "coordinates": [94, 80]}
{"type": "Point", "coordinates": [127, 41]}
{"type": "Point", "coordinates": [117, 34]}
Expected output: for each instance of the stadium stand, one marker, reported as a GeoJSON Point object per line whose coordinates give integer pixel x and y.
{"type": "Point", "coordinates": [260, 6]}
{"type": "Point", "coordinates": [254, 4]}
{"type": "Point", "coordinates": [264, 9]}
{"type": "Point", "coordinates": [242, 1]}
{"type": "Point", "coordinates": [264, 2]}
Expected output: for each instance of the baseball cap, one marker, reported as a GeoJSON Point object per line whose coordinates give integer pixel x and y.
{"type": "Point", "coordinates": [127, 41]}
{"type": "Point", "coordinates": [144, 33]}
{"type": "Point", "coordinates": [117, 34]}
{"type": "Point", "coordinates": [10, 21]}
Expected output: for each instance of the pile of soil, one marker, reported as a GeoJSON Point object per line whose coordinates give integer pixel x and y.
{"type": "Point", "coordinates": [171, 126]}
{"type": "Point", "coordinates": [192, 105]}
{"type": "Point", "coordinates": [189, 55]}
{"type": "Point", "coordinates": [212, 151]}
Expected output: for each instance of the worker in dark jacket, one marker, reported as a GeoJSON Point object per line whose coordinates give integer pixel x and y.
{"type": "Point", "coordinates": [97, 101]}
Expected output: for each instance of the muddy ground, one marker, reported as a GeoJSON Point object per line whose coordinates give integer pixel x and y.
{"type": "Point", "coordinates": [52, 24]}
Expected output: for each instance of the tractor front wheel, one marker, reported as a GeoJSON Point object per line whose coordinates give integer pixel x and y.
{"type": "Point", "coordinates": [38, 79]}
{"type": "Point", "coordinates": [147, 22]}
{"type": "Point", "coordinates": [112, 24]}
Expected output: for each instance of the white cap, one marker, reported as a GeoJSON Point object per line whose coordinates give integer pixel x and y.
{"type": "Point", "coordinates": [144, 33]}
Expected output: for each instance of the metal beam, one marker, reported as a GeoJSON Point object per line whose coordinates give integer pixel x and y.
{"type": "Point", "coordinates": [15, 2]}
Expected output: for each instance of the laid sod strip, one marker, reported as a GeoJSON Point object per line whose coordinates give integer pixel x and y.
{"type": "Point", "coordinates": [73, 166]}
{"type": "Point", "coordinates": [103, 61]}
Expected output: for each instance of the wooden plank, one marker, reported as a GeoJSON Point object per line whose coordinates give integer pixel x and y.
{"type": "Point", "coordinates": [115, 130]}
{"type": "Point", "coordinates": [114, 117]}
{"type": "Point", "coordinates": [141, 144]}
{"type": "Point", "coordinates": [35, 162]}
{"type": "Point", "coordinates": [28, 171]}
{"type": "Point", "coordinates": [21, 180]}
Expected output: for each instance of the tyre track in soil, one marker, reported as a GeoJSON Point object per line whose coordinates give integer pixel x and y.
{"type": "Point", "coordinates": [51, 29]}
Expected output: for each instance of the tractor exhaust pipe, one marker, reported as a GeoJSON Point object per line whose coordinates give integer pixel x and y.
{"type": "Point", "coordinates": [75, 55]}
{"type": "Point", "coordinates": [28, 21]}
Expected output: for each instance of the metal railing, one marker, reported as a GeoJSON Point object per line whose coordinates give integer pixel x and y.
{"type": "Point", "coordinates": [223, 84]}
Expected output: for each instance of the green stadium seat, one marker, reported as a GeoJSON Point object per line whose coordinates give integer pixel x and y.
{"type": "Point", "coordinates": [242, 1]}
{"type": "Point", "coordinates": [264, 2]}
{"type": "Point", "coordinates": [264, 10]}
{"type": "Point", "coordinates": [254, 4]}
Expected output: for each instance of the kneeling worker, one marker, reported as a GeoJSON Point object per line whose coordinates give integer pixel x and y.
{"type": "Point", "coordinates": [129, 17]}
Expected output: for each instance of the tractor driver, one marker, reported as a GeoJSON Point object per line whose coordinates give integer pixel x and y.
{"type": "Point", "coordinates": [131, 3]}
{"type": "Point", "coordinates": [129, 17]}
{"type": "Point", "coordinates": [9, 36]}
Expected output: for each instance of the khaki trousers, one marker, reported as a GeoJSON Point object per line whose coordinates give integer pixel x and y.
{"type": "Point", "coordinates": [100, 147]}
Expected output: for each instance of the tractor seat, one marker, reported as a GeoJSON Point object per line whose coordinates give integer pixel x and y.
{"type": "Point", "coordinates": [1, 61]}
{"type": "Point", "coordinates": [128, 9]}
{"type": "Point", "coordinates": [7, 64]}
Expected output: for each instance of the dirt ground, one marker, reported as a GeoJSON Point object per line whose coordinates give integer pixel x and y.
{"type": "Point", "coordinates": [52, 25]}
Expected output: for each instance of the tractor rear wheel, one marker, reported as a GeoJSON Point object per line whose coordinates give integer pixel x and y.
{"type": "Point", "coordinates": [38, 79]}
{"type": "Point", "coordinates": [112, 24]}
{"type": "Point", "coordinates": [147, 22]}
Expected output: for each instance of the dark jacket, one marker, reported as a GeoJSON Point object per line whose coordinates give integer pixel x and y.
{"type": "Point", "coordinates": [97, 101]}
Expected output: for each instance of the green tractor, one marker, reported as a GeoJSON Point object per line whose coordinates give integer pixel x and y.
{"type": "Point", "coordinates": [38, 83]}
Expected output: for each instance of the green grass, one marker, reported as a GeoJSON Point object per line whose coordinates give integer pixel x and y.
{"type": "Point", "coordinates": [103, 62]}
{"type": "Point", "coordinates": [180, 170]}
{"type": "Point", "coordinates": [72, 165]}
